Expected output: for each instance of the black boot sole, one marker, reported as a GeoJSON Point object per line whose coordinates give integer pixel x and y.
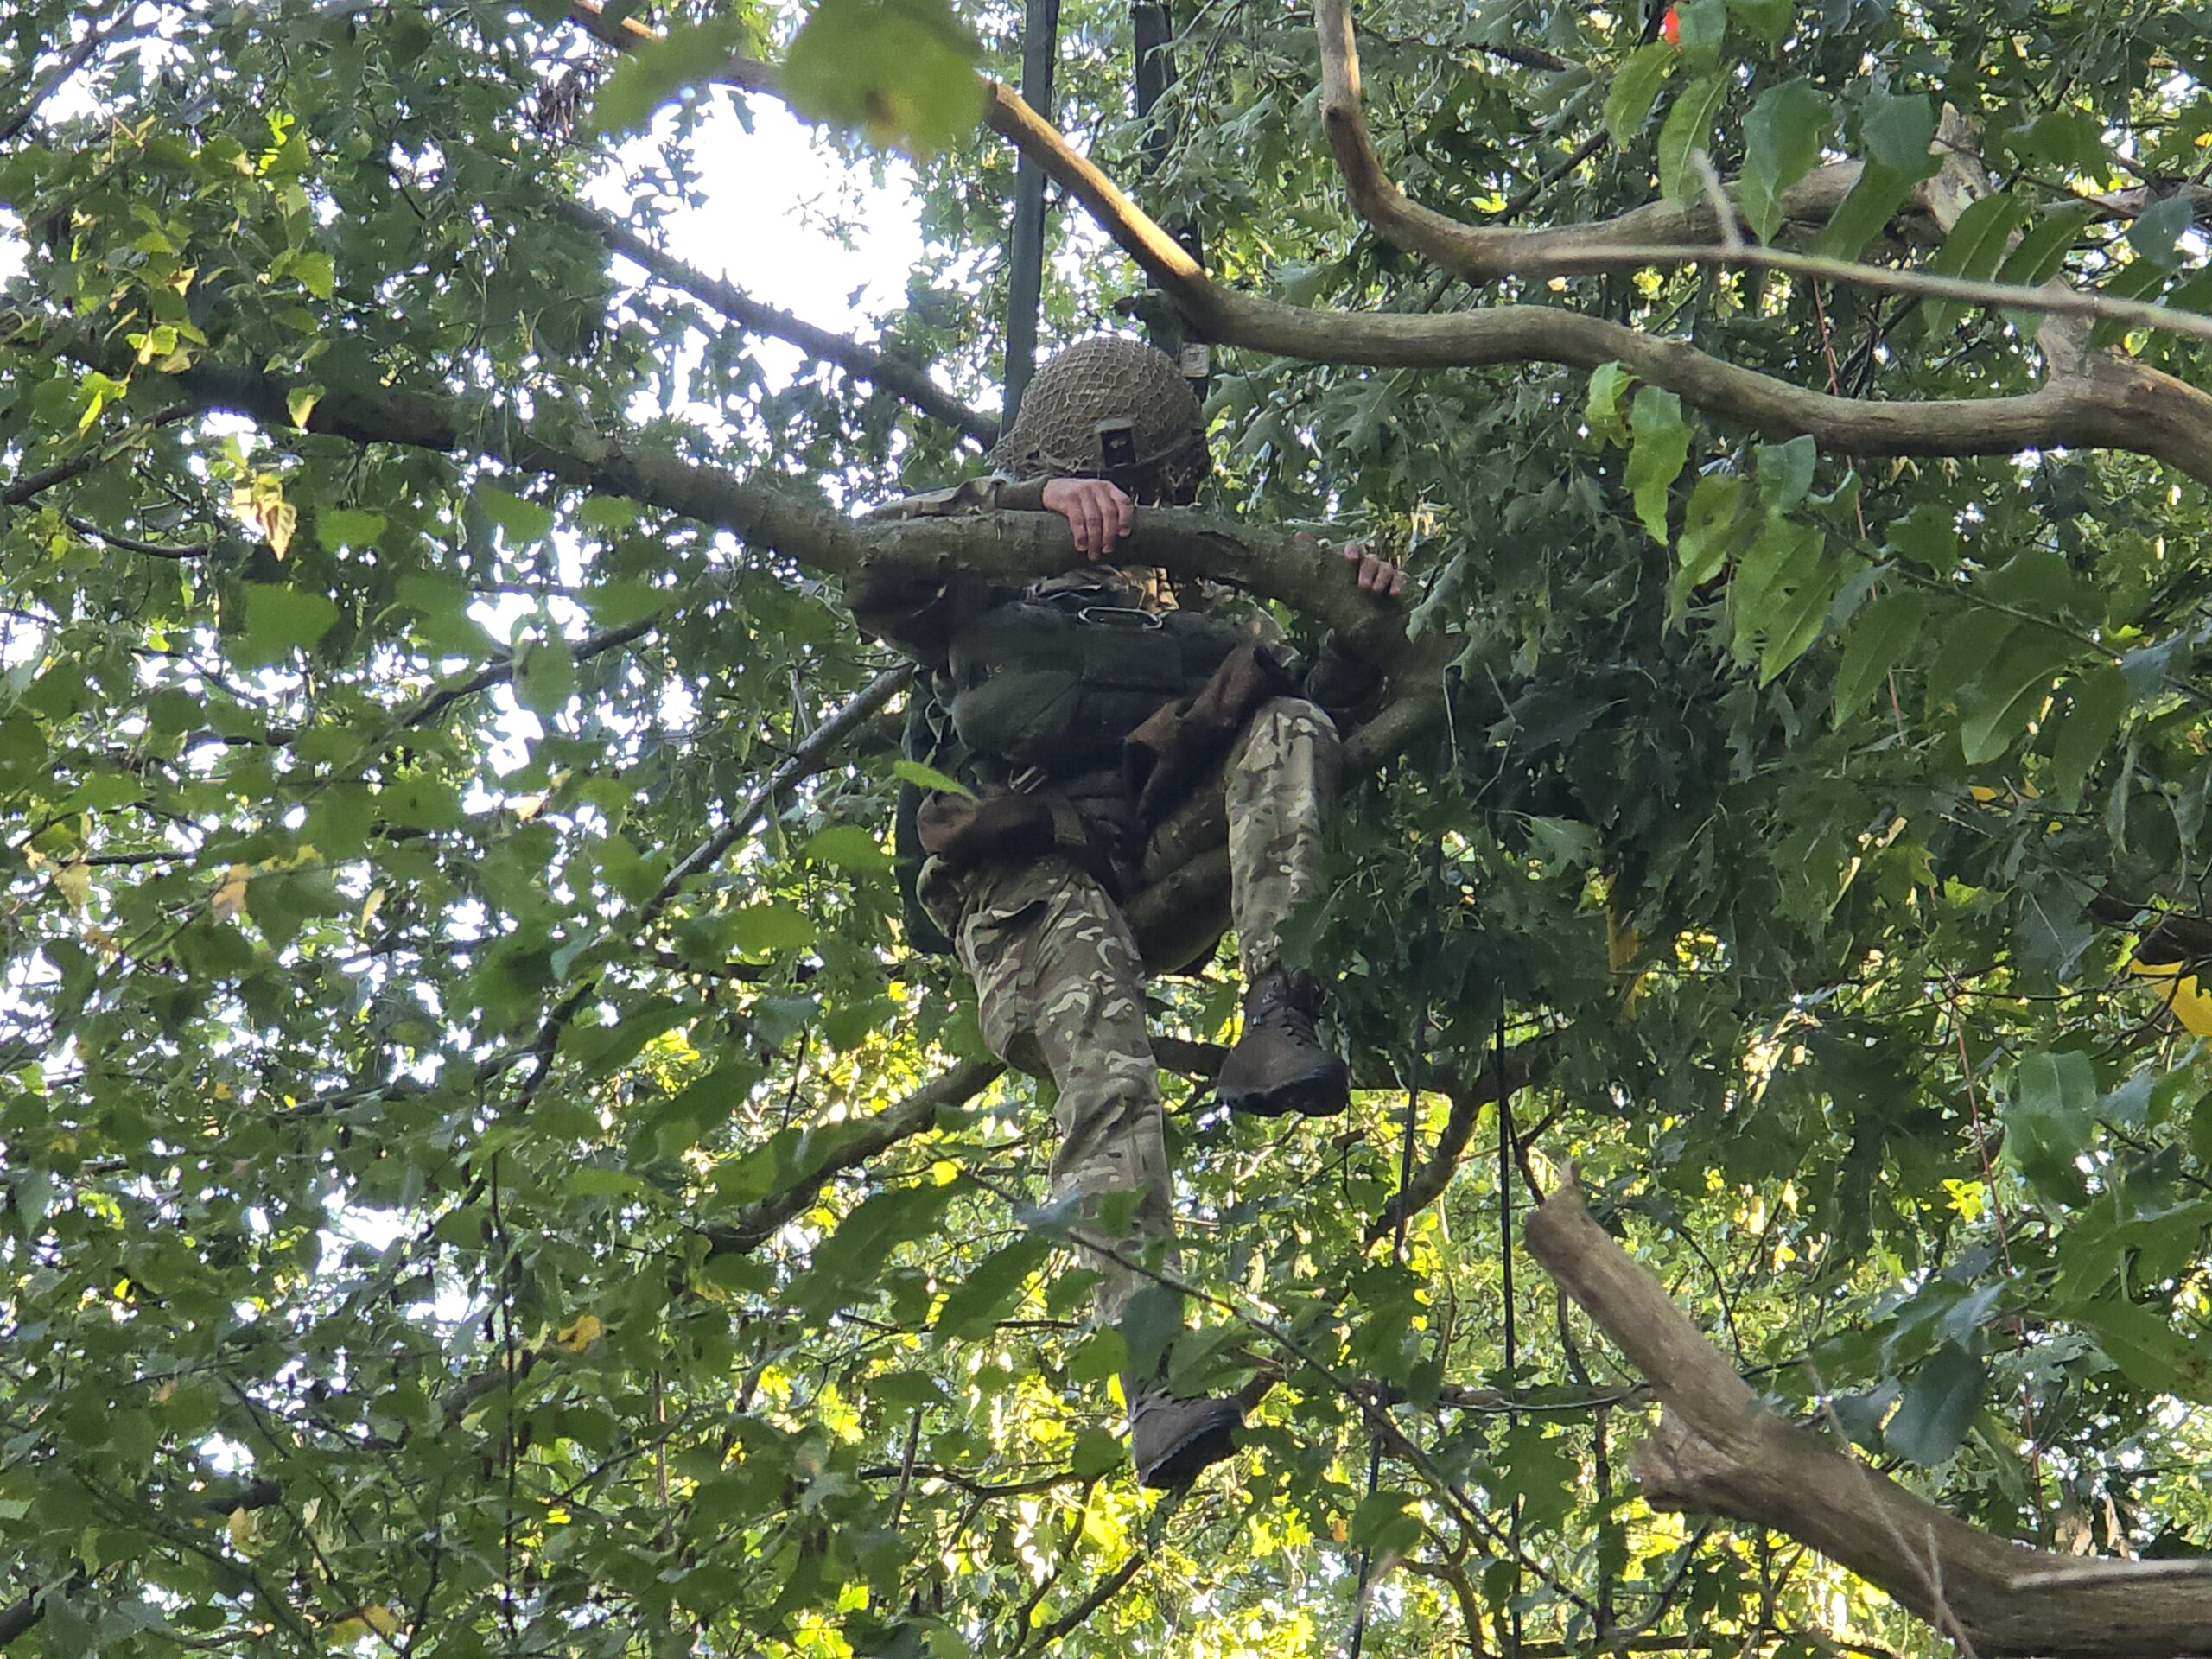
{"type": "Point", "coordinates": [1191, 1457]}
{"type": "Point", "coordinates": [1307, 1097]}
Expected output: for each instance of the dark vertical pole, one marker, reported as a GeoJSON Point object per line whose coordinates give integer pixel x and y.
{"type": "Point", "coordinates": [1040, 49]}
{"type": "Point", "coordinates": [1153, 26]}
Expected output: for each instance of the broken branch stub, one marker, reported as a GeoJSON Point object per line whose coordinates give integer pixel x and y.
{"type": "Point", "coordinates": [1719, 1451]}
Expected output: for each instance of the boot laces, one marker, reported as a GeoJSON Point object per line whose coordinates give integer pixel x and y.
{"type": "Point", "coordinates": [1279, 1001]}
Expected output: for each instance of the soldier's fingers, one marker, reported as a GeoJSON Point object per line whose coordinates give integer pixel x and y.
{"type": "Point", "coordinates": [1124, 517]}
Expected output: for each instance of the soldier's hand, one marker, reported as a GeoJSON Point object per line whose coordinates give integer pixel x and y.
{"type": "Point", "coordinates": [1376, 576]}
{"type": "Point", "coordinates": [1098, 513]}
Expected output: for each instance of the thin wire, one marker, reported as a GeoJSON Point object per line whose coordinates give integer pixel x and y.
{"type": "Point", "coordinates": [1397, 1259]}
{"type": "Point", "coordinates": [1505, 1167]}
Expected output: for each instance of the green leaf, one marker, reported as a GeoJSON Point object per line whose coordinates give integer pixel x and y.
{"type": "Point", "coordinates": [903, 72]}
{"type": "Point", "coordinates": [1382, 1526]}
{"type": "Point", "coordinates": [1928, 535]}
{"type": "Point", "coordinates": [2156, 235]}
{"type": "Point", "coordinates": [987, 1291]}
{"type": "Point", "coordinates": [1708, 526]}
{"type": "Point", "coordinates": [281, 619]}
{"type": "Point", "coordinates": [1939, 1405]}
{"type": "Point", "coordinates": [1972, 250]}
{"type": "Point", "coordinates": [2098, 701]}
{"type": "Point", "coordinates": [651, 73]}
{"type": "Point", "coordinates": [1601, 407]}
{"type": "Point", "coordinates": [1686, 134]}
{"type": "Point", "coordinates": [1999, 703]}
{"type": "Point", "coordinates": [1783, 136]}
{"type": "Point", "coordinates": [760, 929]}
{"type": "Point", "coordinates": [1701, 27]}
{"type": "Point", "coordinates": [315, 273]}
{"type": "Point", "coordinates": [2048, 1120]}
{"type": "Point", "coordinates": [545, 675]}
{"type": "Point", "coordinates": [606, 1050]}
{"type": "Point", "coordinates": [2040, 252]}
{"type": "Point", "coordinates": [618, 604]}
{"type": "Point", "coordinates": [1663, 444]}
{"type": "Point", "coordinates": [1770, 20]}
{"type": "Point", "coordinates": [1860, 216]}
{"type": "Point", "coordinates": [2150, 1351]}
{"type": "Point", "coordinates": [1149, 1323]}
{"type": "Point", "coordinates": [1897, 131]}
{"type": "Point", "coordinates": [848, 847]}
{"type": "Point", "coordinates": [1636, 89]}
{"type": "Point", "coordinates": [1880, 637]}
{"type": "Point", "coordinates": [1785, 471]}
{"type": "Point", "coordinates": [1781, 594]}
{"type": "Point", "coordinates": [523, 521]}
{"type": "Point", "coordinates": [929, 778]}
{"type": "Point", "coordinates": [337, 527]}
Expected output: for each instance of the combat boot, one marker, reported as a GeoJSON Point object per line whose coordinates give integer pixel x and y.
{"type": "Point", "coordinates": [1171, 1439]}
{"type": "Point", "coordinates": [1279, 1065]}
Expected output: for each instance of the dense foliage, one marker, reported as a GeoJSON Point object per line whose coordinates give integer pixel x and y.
{"type": "Point", "coordinates": [409, 1234]}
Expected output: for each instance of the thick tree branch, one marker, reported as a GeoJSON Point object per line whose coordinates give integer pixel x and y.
{"type": "Point", "coordinates": [1486, 253]}
{"type": "Point", "coordinates": [1661, 233]}
{"type": "Point", "coordinates": [1717, 1450]}
{"type": "Point", "coordinates": [892, 374]}
{"type": "Point", "coordinates": [770, 514]}
{"type": "Point", "coordinates": [2111, 404]}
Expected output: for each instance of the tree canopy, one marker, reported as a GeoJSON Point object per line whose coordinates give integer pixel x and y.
{"type": "Point", "coordinates": [482, 1169]}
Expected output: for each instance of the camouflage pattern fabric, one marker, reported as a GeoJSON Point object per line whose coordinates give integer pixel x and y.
{"type": "Point", "coordinates": [1280, 778]}
{"type": "Point", "coordinates": [1060, 992]}
{"type": "Point", "coordinates": [1060, 986]}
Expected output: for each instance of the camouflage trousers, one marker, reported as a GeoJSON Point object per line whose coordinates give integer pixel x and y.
{"type": "Point", "coordinates": [1061, 988]}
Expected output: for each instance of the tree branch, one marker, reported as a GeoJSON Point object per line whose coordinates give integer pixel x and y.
{"type": "Point", "coordinates": [75, 59]}
{"type": "Point", "coordinates": [768, 513]}
{"type": "Point", "coordinates": [2111, 404]}
{"type": "Point", "coordinates": [846, 1146]}
{"type": "Point", "coordinates": [1719, 1451]}
{"type": "Point", "coordinates": [1524, 1065]}
{"type": "Point", "coordinates": [187, 551]}
{"type": "Point", "coordinates": [1486, 253]}
{"type": "Point", "coordinates": [892, 374]}
{"type": "Point", "coordinates": [25, 485]}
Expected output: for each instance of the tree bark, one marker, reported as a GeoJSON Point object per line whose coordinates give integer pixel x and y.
{"type": "Point", "coordinates": [1719, 1451]}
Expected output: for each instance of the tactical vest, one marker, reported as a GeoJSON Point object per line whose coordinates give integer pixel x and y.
{"type": "Point", "coordinates": [1057, 682]}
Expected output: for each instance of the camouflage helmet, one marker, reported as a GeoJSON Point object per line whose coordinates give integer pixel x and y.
{"type": "Point", "coordinates": [1110, 408]}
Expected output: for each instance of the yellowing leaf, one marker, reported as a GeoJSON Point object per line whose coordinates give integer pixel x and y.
{"type": "Point", "coordinates": [262, 503]}
{"type": "Point", "coordinates": [587, 1329]}
{"type": "Point", "coordinates": [2183, 994]}
{"type": "Point", "coordinates": [366, 1621]}
{"type": "Point", "coordinates": [229, 902]}
{"type": "Point", "coordinates": [75, 882]}
{"type": "Point", "coordinates": [240, 1528]}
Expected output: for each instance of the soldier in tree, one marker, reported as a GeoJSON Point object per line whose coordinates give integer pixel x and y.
{"type": "Point", "coordinates": [1110, 734]}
